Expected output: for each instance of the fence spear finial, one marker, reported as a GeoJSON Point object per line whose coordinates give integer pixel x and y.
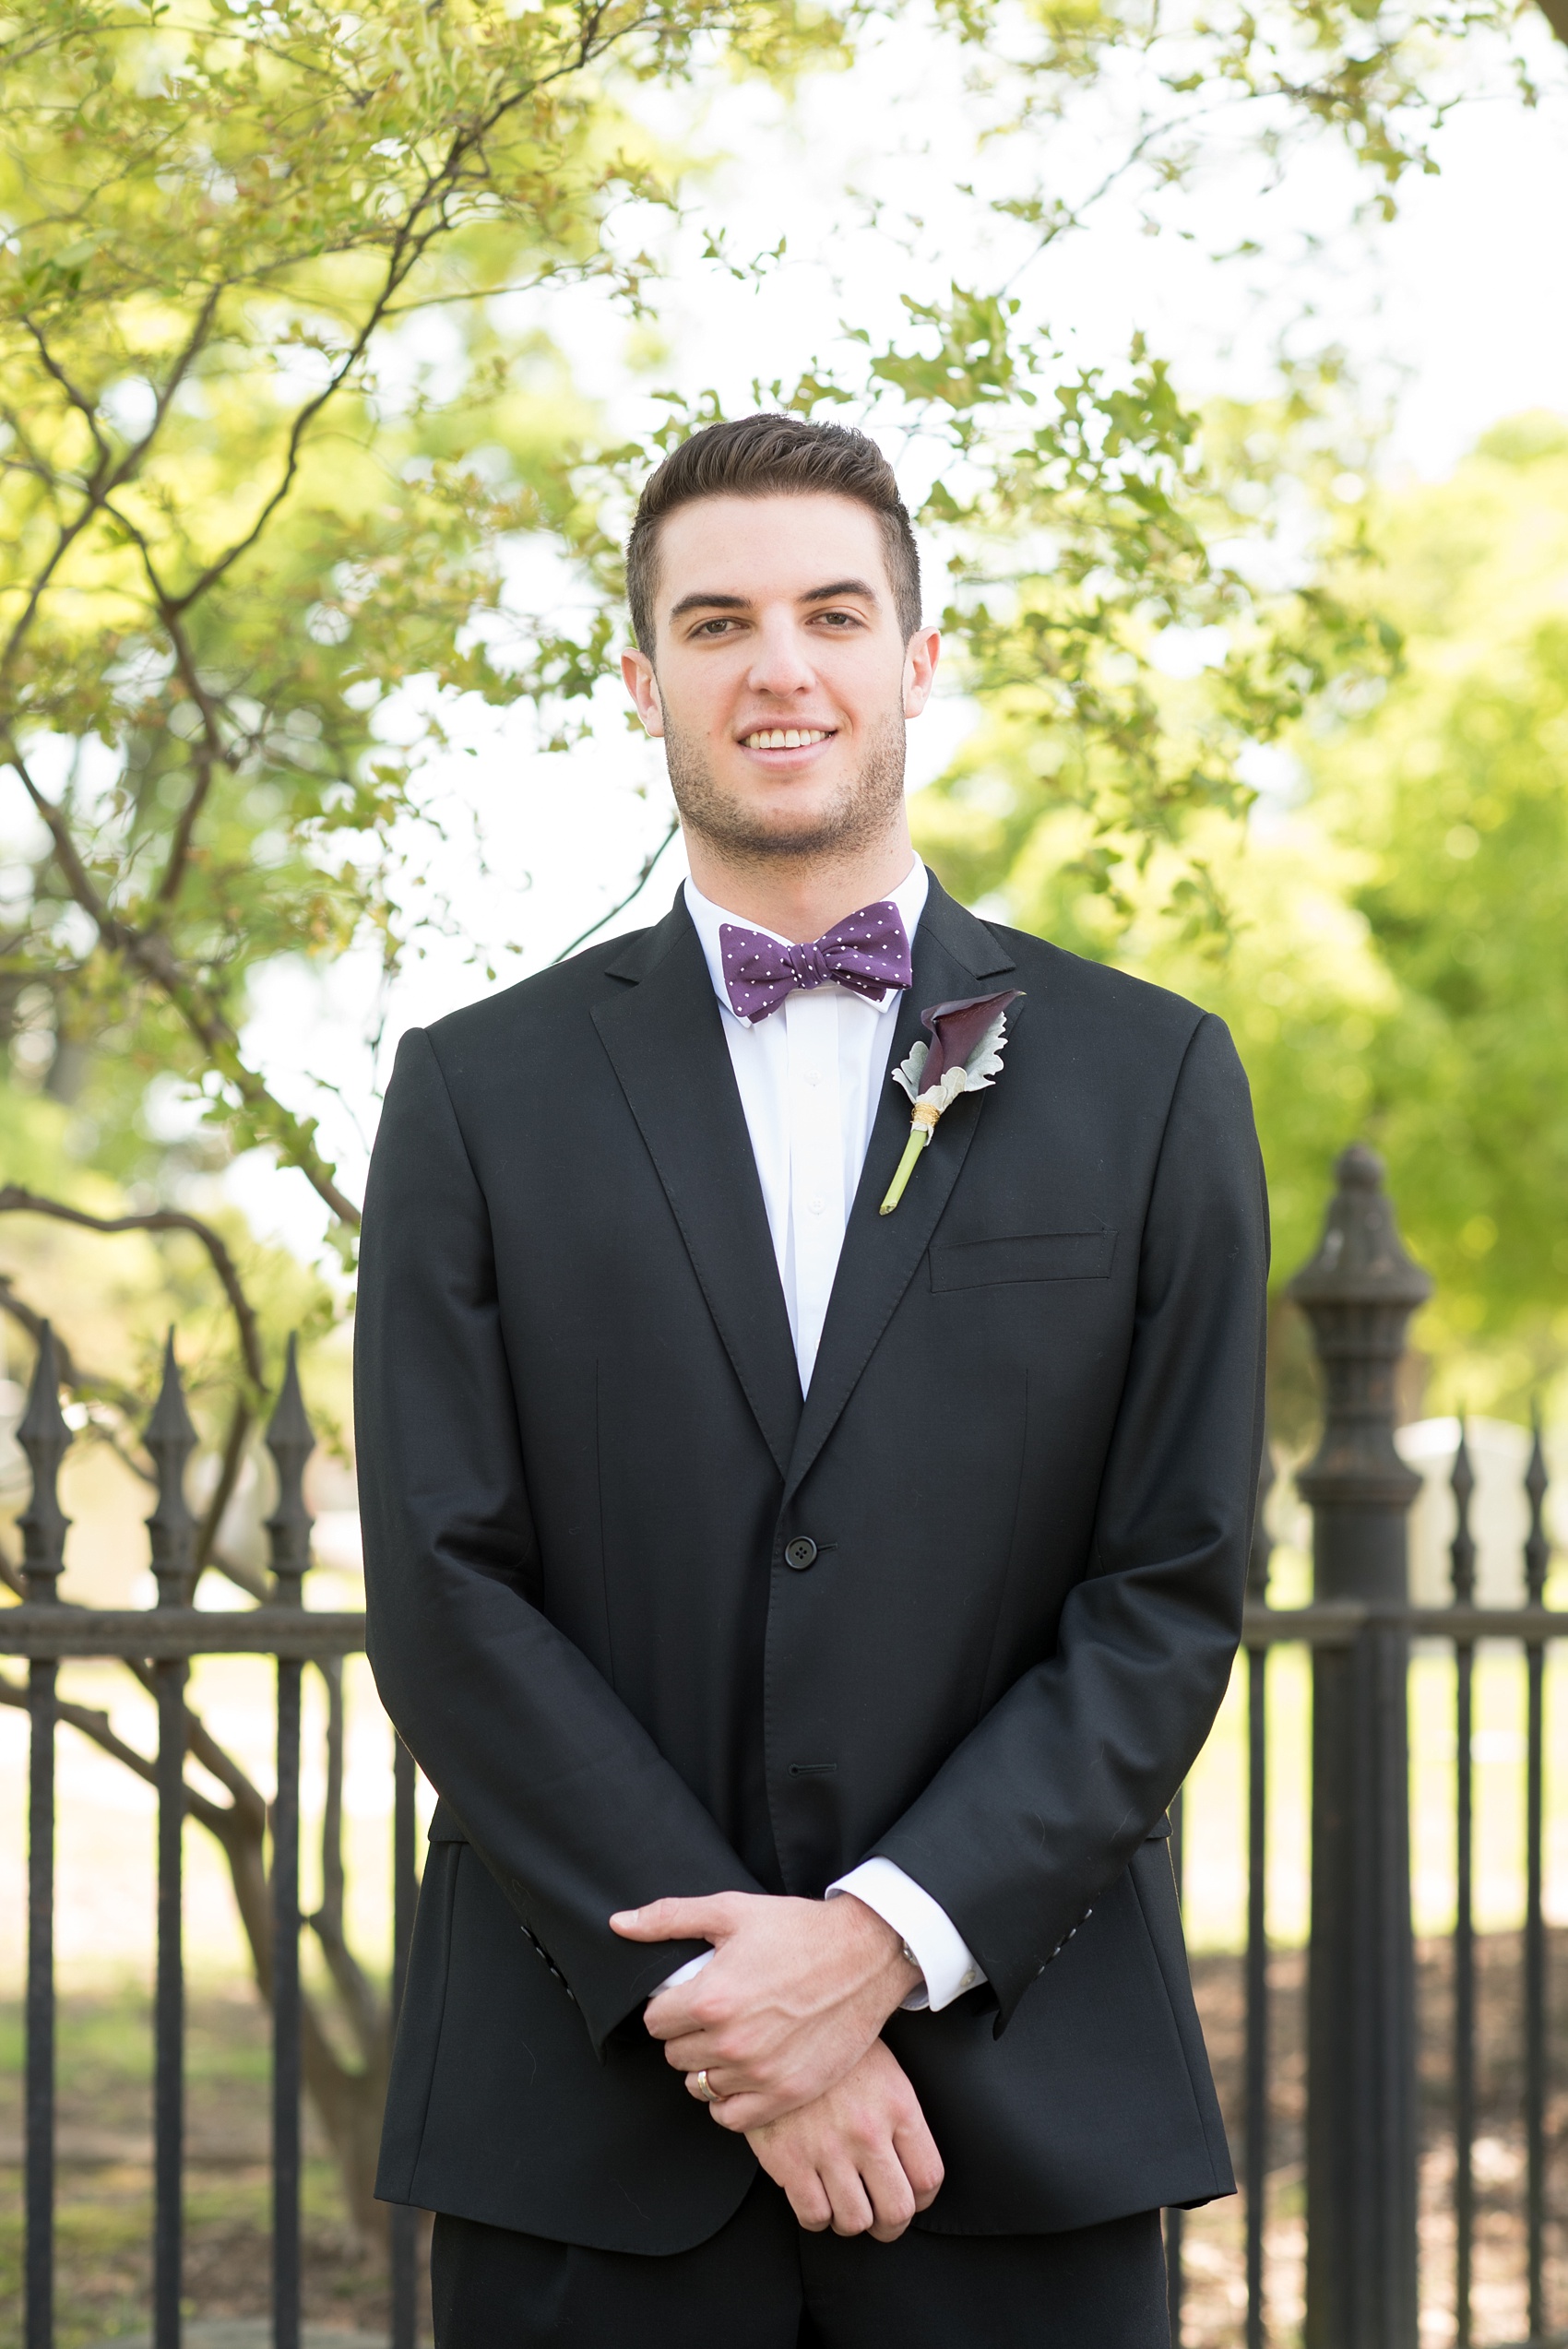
{"type": "Point", "coordinates": [171, 1439]}
{"type": "Point", "coordinates": [1538, 1544]}
{"type": "Point", "coordinates": [45, 1437]}
{"type": "Point", "coordinates": [1462, 1550]}
{"type": "Point", "coordinates": [290, 1439]}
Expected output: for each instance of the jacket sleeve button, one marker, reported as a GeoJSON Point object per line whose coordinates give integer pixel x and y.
{"type": "Point", "coordinates": [799, 1553]}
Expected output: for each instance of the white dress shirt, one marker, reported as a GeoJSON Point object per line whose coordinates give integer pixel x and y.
{"type": "Point", "coordinates": [811, 1077]}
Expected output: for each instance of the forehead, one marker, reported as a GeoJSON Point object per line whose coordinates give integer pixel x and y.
{"type": "Point", "coordinates": [766, 547]}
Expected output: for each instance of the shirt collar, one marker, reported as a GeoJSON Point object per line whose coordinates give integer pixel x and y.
{"type": "Point", "coordinates": [909, 898]}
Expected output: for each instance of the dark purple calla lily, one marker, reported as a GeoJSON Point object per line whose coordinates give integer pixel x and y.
{"type": "Point", "coordinates": [964, 1056]}
{"type": "Point", "coordinates": [956, 1028]}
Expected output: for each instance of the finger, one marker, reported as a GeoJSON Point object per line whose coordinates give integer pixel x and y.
{"type": "Point", "coordinates": [714, 2081]}
{"type": "Point", "coordinates": [891, 2196]}
{"type": "Point", "coordinates": [745, 2112]}
{"type": "Point", "coordinates": [675, 1920]}
{"type": "Point", "coordinates": [686, 2045]}
{"type": "Point", "coordinates": [721, 2047]}
{"type": "Point", "coordinates": [810, 2201]}
{"type": "Point", "coordinates": [852, 2213]}
{"type": "Point", "coordinates": [921, 2163]}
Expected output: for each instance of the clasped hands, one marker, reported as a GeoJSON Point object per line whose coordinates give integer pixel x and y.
{"type": "Point", "coordinates": [784, 2020]}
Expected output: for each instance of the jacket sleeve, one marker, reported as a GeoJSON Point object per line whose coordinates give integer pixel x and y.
{"type": "Point", "coordinates": [561, 1791]}
{"type": "Point", "coordinates": [1044, 1803]}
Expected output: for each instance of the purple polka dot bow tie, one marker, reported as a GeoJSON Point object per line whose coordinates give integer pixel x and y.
{"type": "Point", "coordinates": [868, 951]}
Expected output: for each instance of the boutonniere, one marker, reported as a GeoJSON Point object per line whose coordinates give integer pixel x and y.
{"type": "Point", "coordinates": [964, 1056]}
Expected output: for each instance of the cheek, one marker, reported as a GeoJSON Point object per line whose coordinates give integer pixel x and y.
{"type": "Point", "coordinates": [701, 703]}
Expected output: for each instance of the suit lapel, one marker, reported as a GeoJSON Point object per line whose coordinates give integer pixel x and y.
{"type": "Point", "coordinates": [955, 955]}
{"type": "Point", "coordinates": [665, 1038]}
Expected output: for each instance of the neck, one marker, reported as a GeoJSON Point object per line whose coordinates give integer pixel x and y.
{"type": "Point", "coordinates": [801, 899]}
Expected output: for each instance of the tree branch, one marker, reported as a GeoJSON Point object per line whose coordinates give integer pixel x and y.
{"type": "Point", "coordinates": [620, 907]}
{"type": "Point", "coordinates": [71, 1373]}
{"type": "Point", "coordinates": [15, 1200]}
{"type": "Point", "coordinates": [211, 753]}
{"type": "Point", "coordinates": [96, 1725]}
{"type": "Point", "coordinates": [105, 477]}
{"type": "Point", "coordinates": [151, 954]}
{"type": "Point", "coordinates": [360, 2002]}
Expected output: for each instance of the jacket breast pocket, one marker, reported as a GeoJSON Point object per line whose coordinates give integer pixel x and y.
{"type": "Point", "coordinates": [1038, 1255]}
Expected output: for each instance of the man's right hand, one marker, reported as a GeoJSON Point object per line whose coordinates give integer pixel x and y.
{"type": "Point", "coordinates": [859, 2159]}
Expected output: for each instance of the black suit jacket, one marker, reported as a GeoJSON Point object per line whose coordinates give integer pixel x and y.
{"type": "Point", "coordinates": [1027, 1461]}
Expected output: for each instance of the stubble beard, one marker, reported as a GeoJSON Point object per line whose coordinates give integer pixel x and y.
{"type": "Point", "coordinates": [854, 820]}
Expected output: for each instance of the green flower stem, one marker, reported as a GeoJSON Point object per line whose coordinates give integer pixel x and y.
{"type": "Point", "coordinates": [919, 1137]}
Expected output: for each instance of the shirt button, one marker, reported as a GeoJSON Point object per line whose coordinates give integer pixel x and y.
{"type": "Point", "coordinates": [818, 1204]}
{"type": "Point", "coordinates": [800, 1553]}
{"type": "Point", "coordinates": [809, 1077]}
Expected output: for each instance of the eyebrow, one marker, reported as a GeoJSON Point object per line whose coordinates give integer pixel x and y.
{"type": "Point", "coordinates": [841, 588]}
{"type": "Point", "coordinates": [702, 601]}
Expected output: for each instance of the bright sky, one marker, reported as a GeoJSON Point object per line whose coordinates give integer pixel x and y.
{"type": "Point", "coordinates": [1457, 315]}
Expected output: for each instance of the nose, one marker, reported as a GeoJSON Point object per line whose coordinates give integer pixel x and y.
{"type": "Point", "coordinates": [780, 665]}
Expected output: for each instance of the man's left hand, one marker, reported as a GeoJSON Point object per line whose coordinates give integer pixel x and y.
{"type": "Point", "coordinates": [797, 1992]}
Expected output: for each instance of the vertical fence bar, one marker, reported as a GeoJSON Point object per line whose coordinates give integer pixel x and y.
{"type": "Point", "coordinates": [1537, 1553]}
{"type": "Point", "coordinates": [290, 1442]}
{"type": "Point", "coordinates": [1175, 2218]}
{"type": "Point", "coordinates": [1359, 1292]}
{"type": "Point", "coordinates": [172, 1529]}
{"type": "Point", "coordinates": [404, 2222]}
{"type": "Point", "coordinates": [169, 2014]}
{"type": "Point", "coordinates": [286, 2277]}
{"type": "Point", "coordinates": [39, 2092]}
{"type": "Point", "coordinates": [1463, 1554]}
{"type": "Point", "coordinates": [1257, 1919]}
{"type": "Point", "coordinates": [45, 1437]}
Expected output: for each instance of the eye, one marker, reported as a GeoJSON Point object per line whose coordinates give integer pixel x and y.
{"type": "Point", "coordinates": [719, 627]}
{"type": "Point", "coordinates": [839, 621]}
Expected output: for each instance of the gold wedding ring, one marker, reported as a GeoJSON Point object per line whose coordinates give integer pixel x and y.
{"type": "Point", "coordinates": [704, 2091]}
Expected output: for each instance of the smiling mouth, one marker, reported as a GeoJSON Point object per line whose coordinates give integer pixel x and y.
{"type": "Point", "coordinates": [788, 738]}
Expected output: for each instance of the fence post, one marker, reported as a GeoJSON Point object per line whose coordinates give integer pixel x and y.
{"type": "Point", "coordinates": [1359, 1292]}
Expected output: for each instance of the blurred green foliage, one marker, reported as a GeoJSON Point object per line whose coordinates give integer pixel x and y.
{"type": "Point", "coordinates": [1397, 967]}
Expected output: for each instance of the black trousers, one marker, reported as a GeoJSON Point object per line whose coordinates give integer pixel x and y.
{"type": "Point", "coordinates": [763, 2283]}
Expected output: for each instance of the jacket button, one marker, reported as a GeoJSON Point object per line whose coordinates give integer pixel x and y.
{"type": "Point", "coordinates": [800, 1553]}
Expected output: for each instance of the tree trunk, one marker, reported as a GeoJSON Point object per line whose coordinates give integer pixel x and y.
{"type": "Point", "coordinates": [348, 2103]}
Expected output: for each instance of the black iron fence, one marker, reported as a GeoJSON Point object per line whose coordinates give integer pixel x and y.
{"type": "Point", "coordinates": [1362, 2140]}
{"type": "Point", "coordinates": [161, 1643]}
{"type": "Point", "coordinates": [1362, 2150]}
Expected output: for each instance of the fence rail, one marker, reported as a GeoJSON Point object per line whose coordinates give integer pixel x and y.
{"type": "Point", "coordinates": [1363, 2141]}
{"type": "Point", "coordinates": [163, 1639]}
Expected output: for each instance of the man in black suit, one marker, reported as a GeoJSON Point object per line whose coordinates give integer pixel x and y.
{"type": "Point", "coordinates": [804, 1607]}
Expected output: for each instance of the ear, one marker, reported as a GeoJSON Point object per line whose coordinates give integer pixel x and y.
{"type": "Point", "coordinates": [920, 657]}
{"type": "Point", "coordinates": [643, 687]}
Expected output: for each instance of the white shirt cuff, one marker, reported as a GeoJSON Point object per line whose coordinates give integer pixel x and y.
{"type": "Point", "coordinates": [692, 1966]}
{"type": "Point", "coordinates": [934, 1941]}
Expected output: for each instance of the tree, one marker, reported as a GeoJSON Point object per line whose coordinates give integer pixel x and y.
{"type": "Point", "coordinates": [260, 309]}
{"type": "Point", "coordinates": [232, 527]}
{"type": "Point", "coordinates": [1395, 965]}
{"type": "Point", "coordinates": [1454, 788]}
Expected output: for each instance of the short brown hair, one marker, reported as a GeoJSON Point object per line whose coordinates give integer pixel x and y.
{"type": "Point", "coordinates": [772, 456]}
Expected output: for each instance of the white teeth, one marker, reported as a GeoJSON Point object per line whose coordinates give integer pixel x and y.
{"type": "Point", "coordinates": [787, 737]}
